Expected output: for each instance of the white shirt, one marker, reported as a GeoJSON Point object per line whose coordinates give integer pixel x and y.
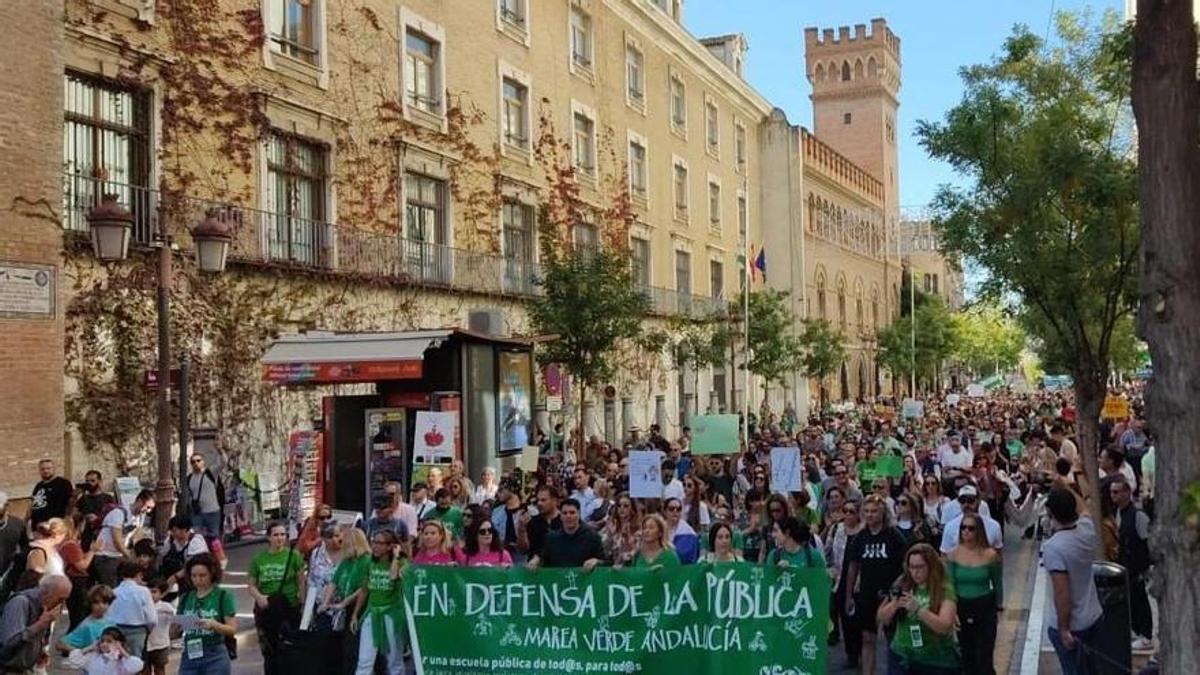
{"type": "Point", "coordinates": [408, 514]}
{"type": "Point", "coordinates": [952, 509]}
{"type": "Point", "coordinates": [132, 605]}
{"type": "Point", "coordinates": [122, 520]}
{"type": "Point", "coordinates": [95, 663]}
{"type": "Point", "coordinates": [673, 489]}
{"type": "Point", "coordinates": [705, 516]}
{"type": "Point", "coordinates": [949, 459]}
{"type": "Point", "coordinates": [160, 636]}
{"type": "Point", "coordinates": [587, 502]}
{"type": "Point", "coordinates": [995, 533]}
{"type": "Point", "coordinates": [195, 546]}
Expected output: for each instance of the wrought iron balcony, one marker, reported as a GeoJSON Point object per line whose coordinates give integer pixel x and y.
{"type": "Point", "coordinates": [281, 240]}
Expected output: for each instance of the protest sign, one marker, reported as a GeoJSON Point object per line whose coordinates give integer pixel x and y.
{"type": "Point", "coordinates": [528, 461]}
{"type": "Point", "coordinates": [1115, 408]}
{"type": "Point", "coordinates": [645, 474]}
{"type": "Point", "coordinates": [787, 472]}
{"type": "Point", "coordinates": [975, 391]}
{"type": "Point", "coordinates": [742, 619]}
{"type": "Point", "coordinates": [913, 408]}
{"type": "Point", "coordinates": [128, 488]}
{"type": "Point", "coordinates": [887, 466]}
{"type": "Point", "coordinates": [714, 434]}
{"type": "Point", "coordinates": [952, 399]}
{"type": "Point", "coordinates": [433, 440]}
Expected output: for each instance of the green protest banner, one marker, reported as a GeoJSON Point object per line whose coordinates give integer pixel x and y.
{"type": "Point", "coordinates": [886, 466]}
{"type": "Point", "coordinates": [714, 434]}
{"type": "Point", "coordinates": [742, 618]}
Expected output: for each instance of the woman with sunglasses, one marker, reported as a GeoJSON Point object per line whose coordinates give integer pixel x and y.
{"type": "Point", "coordinates": [910, 520]}
{"type": "Point", "coordinates": [342, 591]}
{"type": "Point", "coordinates": [310, 532]}
{"type": "Point", "coordinates": [620, 533]}
{"type": "Point", "coordinates": [836, 539]}
{"type": "Point", "coordinates": [680, 534]}
{"type": "Point", "coordinates": [922, 603]}
{"type": "Point", "coordinates": [483, 547]}
{"type": "Point", "coordinates": [695, 509]}
{"type": "Point", "coordinates": [656, 549]}
{"type": "Point", "coordinates": [777, 509]}
{"type": "Point", "coordinates": [974, 568]}
{"type": "Point", "coordinates": [934, 503]}
{"type": "Point", "coordinates": [382, 622]}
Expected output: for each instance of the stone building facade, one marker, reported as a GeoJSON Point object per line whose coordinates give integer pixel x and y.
{"type": "Point", "coordinates": [384, 166]}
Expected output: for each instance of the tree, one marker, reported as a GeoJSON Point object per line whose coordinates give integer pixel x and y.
{"type": "Point", "coordinates": [775, 352]}
{"type": "Point", "coordinates": [988, 340]}
{"type": "Point", "coordinates": [1166, 103]}
{"type": "Point", "coordinates": [1050, 209]}
{"type": "Point", "coordinates": [699, 345]}
{"type": "Point", "coordinates": [823, 352]}
{"type": "Point", "coordinates": [936, 339]}
{"type": "Point", "coordinates": [591, 303]}
{"type": "Point", "coordinates": [895, 350]}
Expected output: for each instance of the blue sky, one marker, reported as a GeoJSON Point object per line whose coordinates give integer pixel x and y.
{"type": "Point", "coordinates": [937, 37]}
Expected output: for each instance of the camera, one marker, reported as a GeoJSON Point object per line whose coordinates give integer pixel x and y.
{"type": "Point", "coordinates": [892, 593]}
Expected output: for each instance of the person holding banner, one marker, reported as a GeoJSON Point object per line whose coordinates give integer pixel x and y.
{"type": "Point", "coordinates": [381, 626]}
{"type": "Point", "coordinates": [483, 547]}
{"type": "Point", "coordinates": [794, 545]}
{"type": "Point", "coordinates": [435, 547]}
{"type": "Point", "coordinates": [575, 545]}
{"type": "Point", "coordinates": [923, 605]}
{"type": "Point", "coordinates": [721, 550]}
{"type": "Point", "coordinates": [656, 550]}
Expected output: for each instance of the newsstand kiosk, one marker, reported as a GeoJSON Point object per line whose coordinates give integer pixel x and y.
{"type": "Point", "coordinates": [484, 382]}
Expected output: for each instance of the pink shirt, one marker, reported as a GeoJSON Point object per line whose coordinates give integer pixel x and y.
{"type": "Point", "coordinates": [489, 558]}
{"type": "Point", "coordinates": [439, 558]}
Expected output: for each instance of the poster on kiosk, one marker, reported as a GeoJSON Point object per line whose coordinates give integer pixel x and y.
{"type": "Point", "coordinates": [385, 441]}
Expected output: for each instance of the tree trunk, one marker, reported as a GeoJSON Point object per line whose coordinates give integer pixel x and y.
{"type": "Point", "coordinates": [1167, 105]}
{"type": "Point", "coordinates": [1090, 391]}
{"type": "Point", "coordinates": [581, 444]}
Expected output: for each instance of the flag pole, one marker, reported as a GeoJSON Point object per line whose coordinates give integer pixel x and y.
{"type": "Point", "coordinates": [746, 318]}
{"type": "Point", "coordinates": [912, 322]}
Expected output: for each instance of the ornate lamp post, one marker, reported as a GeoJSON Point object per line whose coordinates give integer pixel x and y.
{"type": "Point", "coordinates": [111, 226]}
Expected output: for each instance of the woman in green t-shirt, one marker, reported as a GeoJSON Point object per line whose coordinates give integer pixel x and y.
{"type": "Point", "coordinates": [794, 545]}
{"type": "Point", "coordinates": [923, 605]}
{"type": "Point", "coordinates": [276, 582]}
{"type": "Point", "coordinates": [342, 592]}
{"type": "Point", "coordinates": [204, 651]}
{"type": "Point", "coordinates": [656, 550]}
{"type": "Point", "coordinates": [382, 624]}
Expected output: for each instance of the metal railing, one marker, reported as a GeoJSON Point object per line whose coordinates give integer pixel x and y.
{"type": "Point", "coordinates": [278, 239]}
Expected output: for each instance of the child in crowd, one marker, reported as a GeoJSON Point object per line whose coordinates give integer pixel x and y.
{"type": "Point", "coordinates": [109, 656]}
{"type": "Point", "coordinates": [158, 643]}
{"type": "Point", "coordinates": [87, 633]}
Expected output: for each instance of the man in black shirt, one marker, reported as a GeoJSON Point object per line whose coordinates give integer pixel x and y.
{"type": "Point", "coordinates": [50, 496]}
{"type": "Point", "coordinates": [719, 480]}
{"type": "Point", "coordinates": [575, 545]}
{"type": "Point", "coordinates": [547, 520]}
{"type": "Point", "coordinates": [93, 498]}
{"type": "Point", "coordinates": [875, 558]}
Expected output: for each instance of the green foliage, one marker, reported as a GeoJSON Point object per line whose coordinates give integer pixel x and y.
{"type": "Point", "coordinates": [700, 345]}
{"type": "Point", "coordinates": [937, 339]}
{"type": "Point", "coordinates": [988, 341]}
{"type": "Point", "coordinates": [591, 304]}
{"type": "Point", "coordinates": [1049, 211]}
{"type": "Point", "coordinates": [775, 351]}
{"type": "Point", "coordinates": [824, 348]}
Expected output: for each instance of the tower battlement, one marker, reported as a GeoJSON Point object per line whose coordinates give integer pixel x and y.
{"type": "Point", "coordinates": [829, 41]}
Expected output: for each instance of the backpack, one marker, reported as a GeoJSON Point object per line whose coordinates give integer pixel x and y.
{"type": "Point", "coordinates": [173, 560]}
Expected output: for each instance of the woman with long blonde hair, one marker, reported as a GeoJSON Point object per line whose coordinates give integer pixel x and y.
{"type": "Point", "coordinates": [434, 546]}
{"type": "Point", "coordinates": [924, 607]}
{"type": "Point", "coordinates": [620, 533]}
{"type": "Point", "coordinates": [656, 549]}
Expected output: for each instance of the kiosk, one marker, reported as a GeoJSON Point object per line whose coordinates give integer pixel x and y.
{"type": "Point", "coordinates": [485, 382]}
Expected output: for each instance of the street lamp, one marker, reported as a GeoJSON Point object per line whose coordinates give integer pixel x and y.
{"type": "Point", "coordinates": [212, 237]}
{"type": "Point", "coordinates": [110, 225]}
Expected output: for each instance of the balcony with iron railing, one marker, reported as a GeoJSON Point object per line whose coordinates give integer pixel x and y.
{"type": "Point", "coordinates": [266, 238]}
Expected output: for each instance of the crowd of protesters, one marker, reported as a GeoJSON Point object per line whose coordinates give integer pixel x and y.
{"type": "Point", "coordinates": [915, 559]}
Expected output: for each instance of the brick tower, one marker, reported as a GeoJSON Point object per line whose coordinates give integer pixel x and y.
{"type": "Point", "coordinates": [856, 83]}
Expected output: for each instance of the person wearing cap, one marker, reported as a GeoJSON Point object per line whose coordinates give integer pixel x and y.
{"type": "Point", "coordinates": [968, 500]}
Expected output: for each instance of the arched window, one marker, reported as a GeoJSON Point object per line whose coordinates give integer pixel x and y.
{"type": "Point", "coordinates": [875, 311]}
{"type": "Point", "coordinates": [858, 310]}
{"type": "Point", "coordinates": [872, 67]}
{"type": "Point", "coordinates": [858, 69]}
{"type": "Point", "coordinates": [841, 300]}
{"type": "Point", "coordinates": [819, 74]}
{"type": "Point", "coordinates": [821, 296]}
{"type": "Point", "coordinates": [845, 71]}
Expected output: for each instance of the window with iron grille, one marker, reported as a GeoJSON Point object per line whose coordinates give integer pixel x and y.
{"type": "Point", "coordinates": [639, 257]}
{"type": "Point", "coordinates": [296, 179]}
{"type": "Point", "coordinates": [106, 150]}
{"type": "Point", "coordinates": [293, 28]}
{"type": "Point", "coordinates": [517, 223]}
{"type": "Point", "coordinates": [425, 228]}
{"type": "Point", "coordinates": [585, 237]}
{"type": "Point", "coordinates": [421, 54]}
